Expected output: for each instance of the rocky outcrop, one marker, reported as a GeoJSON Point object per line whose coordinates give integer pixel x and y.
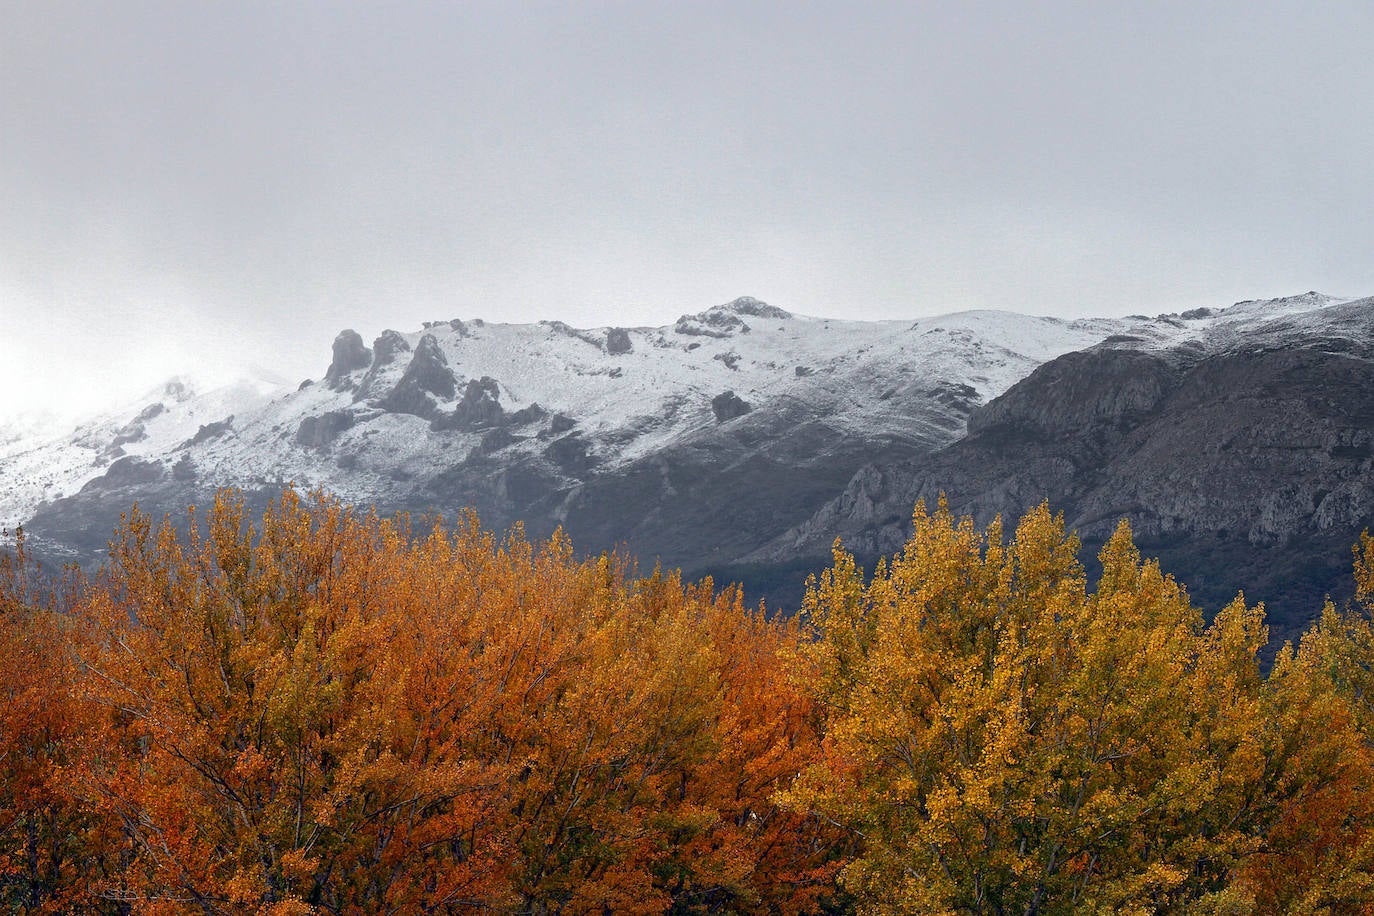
{"type": "Point", "coordinates": [479, 408]}
{"type": "Point", "coordinates": [527, 415]}
{"type": "Point", "coordinates": [209, 431]}
{"type": "Point", "coordinates": [618, 341]}
{"type": "Point", "coordinates": [387, 349]}
{"type": "Point", "coordinates": [748, 305]}
{"type": "Point", "coordinates": [319, 432]}
{"type": "Point", "coordinates": [184, 470]}
{"type": "Point", "coordinates": [388, 345]}
{"type": "Point", "coordinates": [571, 454]}
{"type": "Point", "coordinates": [725, 320]}
{"type": "Point", "coordinates": [1080, 390]}
{"type": "Point", "coordinates": [566, 330]}
{"type": "Point", "coordinates": [350, 355]}
{"type": "Point", "coordinates": [136, 430]}
{"type": "Point", "coordinates": [127, 472]}
{"type": "Point", "coordinates": [711, 323]}
{"type": "Point", "coordinates": [426, 377]}
{"type": "Point", "coordinates": [728, 406]}
{"type": "Point", "coordinates": [496, 439]}
{"type": "Point", "coordinates": [178, 390]}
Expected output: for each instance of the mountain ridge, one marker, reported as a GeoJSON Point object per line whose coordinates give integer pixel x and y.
{"type": "Point", "coordinates": [1241, 456]}
{"type": "Point", "coordinates": [739, 436]}
{"type": "Point", "coordinates": [677, 370]}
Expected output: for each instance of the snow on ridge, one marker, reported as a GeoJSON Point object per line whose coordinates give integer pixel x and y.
{"type": "Point", "coordinates": [164, 419]}
{"type": "Point", "coordinates": [649, 388]}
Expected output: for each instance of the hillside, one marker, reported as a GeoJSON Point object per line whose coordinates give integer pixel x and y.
{"type": "Point", "coordinates": [741, 440]}
{"type": "Point", "coordinates": [1240, 450]}
{"type": "Point", "coordinates": [695, 442]}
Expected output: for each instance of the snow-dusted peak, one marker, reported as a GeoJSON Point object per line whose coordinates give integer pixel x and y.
{"type": "Point", "coordinates": [729, 319]}
{"type": "Point", "coordinates": [1253, 323]}
{"type": "Point", "coordinates": [748, 305]}
{"type": "Point", "coordinates": [1252, 313]}
{"type": "Point", "coordinates": [411, 406]}
{"type": "Point", "coordinates": [183, 412]}
{"type": "Point", "coordinates": [1251, 309]}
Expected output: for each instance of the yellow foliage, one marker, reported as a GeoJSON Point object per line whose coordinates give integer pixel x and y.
{"type": "Point", "coordinates": [1004, 739]}
{"type": "Point", "coordinates": [322, 711]}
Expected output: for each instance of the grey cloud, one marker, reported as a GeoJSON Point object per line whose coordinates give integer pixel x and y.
{"type": "Point", "coordinates": [247, 176]}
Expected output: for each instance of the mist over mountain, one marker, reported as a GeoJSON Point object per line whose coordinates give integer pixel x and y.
{"type": "Point", "coordinates": [742, 440]}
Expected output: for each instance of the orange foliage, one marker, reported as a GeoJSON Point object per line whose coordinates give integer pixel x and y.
{"type": "Point", "coordinates": [1319, 856]}
{"type": "Point", "coordinates": [51, 855]}
{"type": "Point", "coordinates": [323, 711]}
{"type": "Point", "coordinates": [331, 713]}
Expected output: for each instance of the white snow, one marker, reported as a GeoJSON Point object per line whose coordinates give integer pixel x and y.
{"type": "Point", "coordinates": [864, 377]}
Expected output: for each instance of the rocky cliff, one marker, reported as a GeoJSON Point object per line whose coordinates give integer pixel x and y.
{"type": "Point", "coordinates": [1242, 455]}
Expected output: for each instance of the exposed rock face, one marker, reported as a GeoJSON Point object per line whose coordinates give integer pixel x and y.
{"type": "Point", "coordinates": [526, 415]}
{"type": "Point", "coordinates": [715, 322]}
{"type": "Point", "coordinates": [570, 453]}
{"type": "Point", "coordinates": [152, 410]}
{"type": "Point", "coordinates": [185, 469]}
{"type": "Point", "coordinates": [135, 430]}
{"type": "Point", "coordinates": [725, 320]}
{"type": "Point", "coordinates": [748, 305]}
{"type": "Point", "coordinates": [210, 431]}
{"type": "Point", "coordinates": [1198, 313]}
{"type": "Point", "coordinates": [954, 395]}
{"type": "Point", "coordinates": [427, 375]}
{"type": "Point", "coordinates": [727, 406]}
{"type": "Point", "coordinates": [127, 472]}
{"type": "Point", "coordinates": [318, 432]}
{"type": "Point", "coordinates": [496, 439]}
{"type": "Point", "coordinates": [618, 341]}
{"type": "Point", "coordinates": [566, 330]}
{"type": "Point", "coordinates": [388, 345]}
{"type": "Point", "coordinates": [349, 356]}
{"type": "Point", "coordinates": [480, 407]}
{"type": "Point", "coordinates": [1240, 469]}
{"type": "Point", "coordinates": [387, 348]}
{"type": "Point", "coordinates": [1090, 388]}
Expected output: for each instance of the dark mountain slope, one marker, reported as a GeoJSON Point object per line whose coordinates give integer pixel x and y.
{"type": "Point", "coordinates": [1240, 463]}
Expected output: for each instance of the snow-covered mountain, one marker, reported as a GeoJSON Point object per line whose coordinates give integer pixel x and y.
{"type": "Point", "coordinates": [563, 405]}
{"type": "Point", "coordinates": [1240, 445]}
{"type": "Point", "coordinates": [701, 443]}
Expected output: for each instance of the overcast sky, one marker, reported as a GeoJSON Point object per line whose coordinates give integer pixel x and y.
{"type": "Point", "coordinates": [208, 185]}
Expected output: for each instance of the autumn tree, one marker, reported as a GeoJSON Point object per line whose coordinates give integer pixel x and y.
{"type": "Point", "coordinates": [1319, 855]}
{"type": "Point", "coordinates": [52, 853]}
{"type": "Point", "coordinates": [324, 711]}
{"type": "Point", "coordinates": [333, 712]}
{"type": "Point", "coordinates": [1003, 740]}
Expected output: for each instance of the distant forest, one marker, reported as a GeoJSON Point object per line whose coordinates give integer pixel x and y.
{"type": "Point", "coordinates": [322, 711]}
